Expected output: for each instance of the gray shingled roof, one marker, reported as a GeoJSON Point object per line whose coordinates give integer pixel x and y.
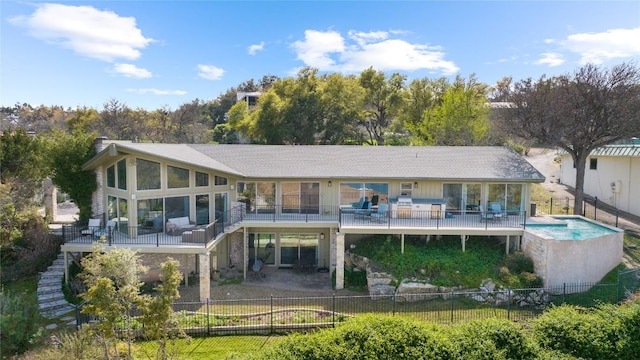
{"type": "Point", "coordinates": [343, 162]}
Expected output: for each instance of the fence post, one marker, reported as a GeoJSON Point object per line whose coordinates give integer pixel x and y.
{"type": "Point", "coordinates": [595, 208]}
{"type": "Point", "coordinates": [617, 216]}
{"type": "Point", "coordinates": [509, 303]}
{"type": "Point", "coordinates": [271, 314]}
{"type": "Point", "coordinates": [452, 306]}
{"type": "Point", "coordinates": [208, 321]}
{"type": "Point", "coordinates": [393, 304]}
{"type": "Point", "coordinates": [551, 206]}
{"type": "Point", "coordinates": [333, 313]}
{"type": "Point", "coordinates": [564, 291]}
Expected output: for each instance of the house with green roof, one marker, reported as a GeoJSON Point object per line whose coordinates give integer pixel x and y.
{"type": "Point", "coordinates": [230, 206]}
{"type": "Point", "coordinates": [612, 174]}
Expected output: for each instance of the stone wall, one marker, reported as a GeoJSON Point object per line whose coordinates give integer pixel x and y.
{"type": "Point", "coordinates": [153, 262]}
{"type": "Point", "coordinates": [236, 253]}
{"type": "Point", "coordinates": [535, 248]}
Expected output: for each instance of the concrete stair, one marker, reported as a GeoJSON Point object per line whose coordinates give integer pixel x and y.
{"type": "Point", "coordinates": [50, 296]}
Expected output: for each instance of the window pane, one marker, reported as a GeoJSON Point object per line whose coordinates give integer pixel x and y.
{"type": "Point", "coordinates": [111, 176]}
{"type": "Point", "coordinates": [219, 180]}
{"type": "Point", "coordinates": [177, 177]}
{"type": "Point", "coordinates": [290, 197]}
{"type": "Point", "coordinates": [472, 199]}
{"type": "Point", "coordinates": [496, 195]}
{"type": "Point", "coordinates": [112, 211]}
{"type": "Point", "coordinates": [150, 214]}
{"type": "Point", "coordinates": [122, 174]}
{"type": "Point", "coordinates": [176, 206]}
{"type": "Point", "coordinates": [123, 216]}
{"type": "Point", "coordinates": [377, 192]}
{"type": "Point", "coordinates": [453, 196]}
{"type": "Point", "coordinates": [350, 193]}
{"type": "Point", "coordinates": [202, 179]}
{"type": "Point", "coordinates": [202, 209]}
{"type": "Point", "coordinates": [514, 198]}
{"type": "Point", "coordinates": [266, 197]}
{"type": "Point", "coordinates": [147, 174]}
{"type": "Point", "coordinates": [247, 194]}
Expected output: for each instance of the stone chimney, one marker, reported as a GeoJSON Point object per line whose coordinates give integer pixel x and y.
{"type": "Point", "coordinates": [99, 143]}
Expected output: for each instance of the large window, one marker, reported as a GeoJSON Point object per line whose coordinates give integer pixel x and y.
{"type": "Point", "coordinates": [374, 192]}
{"type": "Point", "coordinates": [260, 197]}
{"type": "Point", "coordinates": [202, 179]}
{"type": "Point", "coordinates": [301, 249]}
{"type": "Point", "coordinates": [303, 198]}
{"type": "Point", "coordinates": [118, 211]}
{"type": "Point", "coordinates": [220, 180]}
{"type": "Point", "coordinates": [202, 209]}
{"type": "Point", "coordinates": [147, 174]}
{"type": "Point", "coordinates": [122, 174]}
{"type": "Point", "coordinates": [177, 206]}
{"type": "Point", "coordinates": [150, 214]}
{"type": "Point", "coordinates": [117, 175]}
{"type": "Point", "coordinates": [508, 196]}
{"type": "Point", "coordinates": [177, 177]}
{"type": "Point", "coordinates": [263, 247]}
{"type": "Point", "coordinates": [221, 206]}
{"type": "Point", "coordinates": [461, 197]}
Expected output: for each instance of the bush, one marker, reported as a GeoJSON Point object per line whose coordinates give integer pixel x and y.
{"type": "Point", "coordinates": [367, 337]}
{"type": "Point", "coordinates": [18, 323]}
{"type": "Point", "coordinates": [492, 339]}
{"type": "Point", "coordinates": [606, 332]}
{"type": "Point", "coordinates": [531, 280]}
{"type": "Point", "coordinates": [518, 262]}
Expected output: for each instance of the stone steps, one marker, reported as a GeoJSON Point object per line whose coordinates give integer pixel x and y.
{"type": "Point", "coordinates": [50, 296]}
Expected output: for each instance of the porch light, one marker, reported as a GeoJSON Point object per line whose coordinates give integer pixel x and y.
{"type": "Point", "coordinates": [415, 184]}
{"type": "Point", "coordinates": [322, 234]}
{"type": "Point", "coordinates": [329, 184]}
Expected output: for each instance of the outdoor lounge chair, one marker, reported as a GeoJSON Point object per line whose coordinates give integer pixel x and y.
{"type": "Point", "coordinates": [496, 209]}
{"type": "Point", "coordinates": [92, 227]}
{"type": "Point", "coordinates": [485, 215]}
{"type": "Point", "coordinates": [381, 214]}
{"type": "Point", "coordinates": [107, 231]}
{"type": "Point", "coordinates": [366, 209]}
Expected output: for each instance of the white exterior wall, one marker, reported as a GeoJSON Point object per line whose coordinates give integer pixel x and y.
{"type": "Point", "coordinates": [624, 170]}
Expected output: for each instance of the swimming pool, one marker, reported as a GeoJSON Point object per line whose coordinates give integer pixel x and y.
{"type": "Point", "coordinates": [571, 249]}
{"type": "Point", "coordinates": [571, 229]}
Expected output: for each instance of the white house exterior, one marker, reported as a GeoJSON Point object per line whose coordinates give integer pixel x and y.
{"type": "Point", "coordinates": [612, 174]}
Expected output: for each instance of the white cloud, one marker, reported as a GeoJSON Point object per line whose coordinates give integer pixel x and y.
{"type": "Point", "coordinates": [210, 72]}
{"type": "Point", "coordinates": [329, 51]}
{"type": "Point", "coordinates": [90, 32]}
{"type": "Point", "coordinates": [597, 48]}
{"type": "Point", "coordinates": [253, 49]}
{"type": "Point", "coordinates": [551, 59]}
{"type": "Point", "coordinates": [132, 71]}
{"type": "Point", "coordinates": [157, 91]}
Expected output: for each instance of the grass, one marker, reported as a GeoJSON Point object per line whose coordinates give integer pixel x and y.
{"type": "Point", "coordinates": [440, 261]}
{"type": "Point", "coordinates": [215, 347]}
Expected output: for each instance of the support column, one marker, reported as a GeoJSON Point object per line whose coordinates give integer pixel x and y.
{"type": "Point", "coordinates": [402, 243]}
{"type": "Point", "coordinates": [463, 240]}
{"type": "Point", "coordinates": [245, 256]}
{"type": "Point", "coordinates": [186, 270]}
{"type": "Point", "coordinates": [339, 265]}
{"type": "Point", "coordinates": [507, 249]}
{"type": "Point", "coordinates": [205, 277]}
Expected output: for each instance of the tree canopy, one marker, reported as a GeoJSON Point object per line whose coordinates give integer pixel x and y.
{"type": "Point", "coordinates": [577, 112]}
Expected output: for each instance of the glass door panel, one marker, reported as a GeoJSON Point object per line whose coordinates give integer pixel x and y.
{"type": "Point", "coordinates": [289, 249]}
{"type": "Point", "coordinates": [202, 209]}
{"type": "Point", "coordinates": [472, 197]}
{"type": "Point", "coordinates": [310, 198]}
{"type": "Point", "coordinates": [290, 198]}
{"type": "Point", "coordinates": [453, 196]}
{"type": "Point", "coordinates": [309, 250]}
{"type": "Point", "coordinates": [220, 205]}
{"type": "Point", "coordinates": [514, 198]}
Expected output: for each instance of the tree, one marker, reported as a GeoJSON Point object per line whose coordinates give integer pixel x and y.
{"type": "Point", "coordinates": [113, 291]}
{"type": "Point", "coordinates": [116, 120]}
{"type": "Point", "coordinates": [342, 99]}
{"type": "Point", "coordinates": [383, 99]}
{"type": "Point", "coordinates": [160, 321]}
{"type": "Point", "coordinates": [460, 118]}
{"type": "Point", "coordinates": [68, 152]}
{"type": "Point", "coordinates": [577, 113]}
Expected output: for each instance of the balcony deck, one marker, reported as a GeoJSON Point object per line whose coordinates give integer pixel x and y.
{"type": "Point", "coordinates": [197, 240]}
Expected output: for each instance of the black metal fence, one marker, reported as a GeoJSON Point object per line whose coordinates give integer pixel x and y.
{"type": "Point", "coordinates": [592, 208]}
{"type": "Point", "coordinates": [286, 314]}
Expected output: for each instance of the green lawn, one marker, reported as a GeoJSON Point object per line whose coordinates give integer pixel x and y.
{"type": "Point", "coordinates": [216, 347]}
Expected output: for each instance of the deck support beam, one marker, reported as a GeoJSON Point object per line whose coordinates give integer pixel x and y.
{"type": "Point", "coordinates": [507, 244]}
{"type": "Point", "coordinates": [205, 277]}
{"type": "Point", "coordinates": [66, 267]}
{"type": "Point", "coordinates": [463, 241]}
{"type": "Point", "coordinates": [402, 243]}
{"type": "Point", "coordinates": [339, 261]}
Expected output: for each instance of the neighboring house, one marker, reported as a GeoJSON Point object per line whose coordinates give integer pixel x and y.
{"type": "Point", "coordinates": [612, 174]}
{"type": "Point", "coordinates": [226, 206]}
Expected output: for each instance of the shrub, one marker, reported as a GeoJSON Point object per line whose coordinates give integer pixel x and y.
{"type": "Point", "coordinates": [492, 339]}
{"type": "Point", "coordinates": [531, 280]}
{"type": "Point", "coordinates": [518, 262]}
{"type": "Point", "coordinates": [606, 332]}
{"type": "Point", "coordinates": [367, 337]}
{"type": "Point", "coordinates": [18, 323]}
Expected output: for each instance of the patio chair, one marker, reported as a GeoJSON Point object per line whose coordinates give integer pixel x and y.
{"type": "Point", "coordinates": [256, 269]}
{"type": "Point", "coordinates": [381, 214]}
{"type": "Point", "coordinates": [496, 209]}
{"type": "Point", "coordinates": [92, 227]}
{"type": "Point", "coordinates": [107, 231]}
{"type": "Point", "coordinates": [485, 215]}
{"type": "Point", "coordinates": [365, 210]}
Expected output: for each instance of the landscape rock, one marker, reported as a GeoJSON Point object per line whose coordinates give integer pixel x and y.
{"type": "Point", "coordinates": [416, 291]}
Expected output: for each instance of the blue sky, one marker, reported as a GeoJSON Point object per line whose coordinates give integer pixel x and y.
{"type": "Point", "coordinates": [152, 54]}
